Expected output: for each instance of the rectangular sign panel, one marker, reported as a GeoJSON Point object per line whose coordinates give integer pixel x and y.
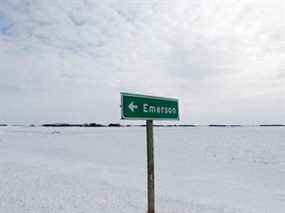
{"type": "Point", "coordinates": [142, 107]}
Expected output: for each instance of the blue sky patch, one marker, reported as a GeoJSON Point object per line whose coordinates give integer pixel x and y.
{"type": "Point", "coordinates": [5, 25]}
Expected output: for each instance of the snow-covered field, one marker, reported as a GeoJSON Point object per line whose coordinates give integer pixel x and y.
{"type": "Point", "coordinates": [90, 170]}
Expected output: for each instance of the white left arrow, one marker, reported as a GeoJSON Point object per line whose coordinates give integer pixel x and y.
{"type": "Point", "coordinates": [132, 107]}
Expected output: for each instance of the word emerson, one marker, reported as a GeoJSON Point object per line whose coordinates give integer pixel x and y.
{"type": "Point", "coordinates": [158, 109]}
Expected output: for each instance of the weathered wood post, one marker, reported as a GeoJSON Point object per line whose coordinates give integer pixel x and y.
{"type": "Point", "coordinates": [150, 167]}
{"type": "Point", "coordinates": [149, 108]}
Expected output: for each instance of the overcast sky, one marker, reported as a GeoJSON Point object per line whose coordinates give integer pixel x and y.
{"type": "Point", "coordinates": [68, 60]}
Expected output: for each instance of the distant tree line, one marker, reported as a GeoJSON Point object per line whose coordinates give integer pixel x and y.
{"type": "Point", "coordinates": [269, 125]}
{"type": "Point", "coordinates": [82, 125]}
{"type": "Point", "coordinates": [143, 125]}
{"type": "Point", "coordinates": [73, 125]}
{"type": "Point", "coordinates": [111, 125]}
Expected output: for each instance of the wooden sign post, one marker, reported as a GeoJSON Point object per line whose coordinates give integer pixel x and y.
{"type": "Point", "coordinates": [149, 108]}
{"type": "Point", "coordinates": [150, 167]}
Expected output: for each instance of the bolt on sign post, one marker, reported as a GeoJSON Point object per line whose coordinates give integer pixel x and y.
{"type": "Point", "coordinates": [149, 108]}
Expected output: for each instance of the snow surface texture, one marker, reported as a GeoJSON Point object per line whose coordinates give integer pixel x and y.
{"type": "Point", "coordinates": [211, 53]}
{"type": "Point", "coordinates": [198, 170]}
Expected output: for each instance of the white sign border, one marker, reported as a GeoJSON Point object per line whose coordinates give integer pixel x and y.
{"type": "Point", "coordinates": [152, 97]}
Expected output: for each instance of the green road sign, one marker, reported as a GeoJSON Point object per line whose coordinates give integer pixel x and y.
{"type": "Point", "coordinates": [142, 107]}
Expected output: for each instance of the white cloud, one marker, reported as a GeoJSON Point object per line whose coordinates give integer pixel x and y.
{"type": "Point", "coordinates": [60, 60]}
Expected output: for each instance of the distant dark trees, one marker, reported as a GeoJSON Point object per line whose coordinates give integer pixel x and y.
{"type": "Point", "coordinates": [186, 125]}
{"type": "Point", "coordinates": [217, 125]}
{"type": "Point", "coordinates": [143, 125]}
{"type": "Point", "coordinates": [269, 125]}
{"type": "Point", "coordinates": [114, 125]}
{"type": "Point", "coordinates": [73, 125]}
{"type": "Point", "coordinates": [82, 125]}
{"type": "Point", "coordinates": [60, 125]}
{"type": "Point", "coordinates": [93, 125]}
